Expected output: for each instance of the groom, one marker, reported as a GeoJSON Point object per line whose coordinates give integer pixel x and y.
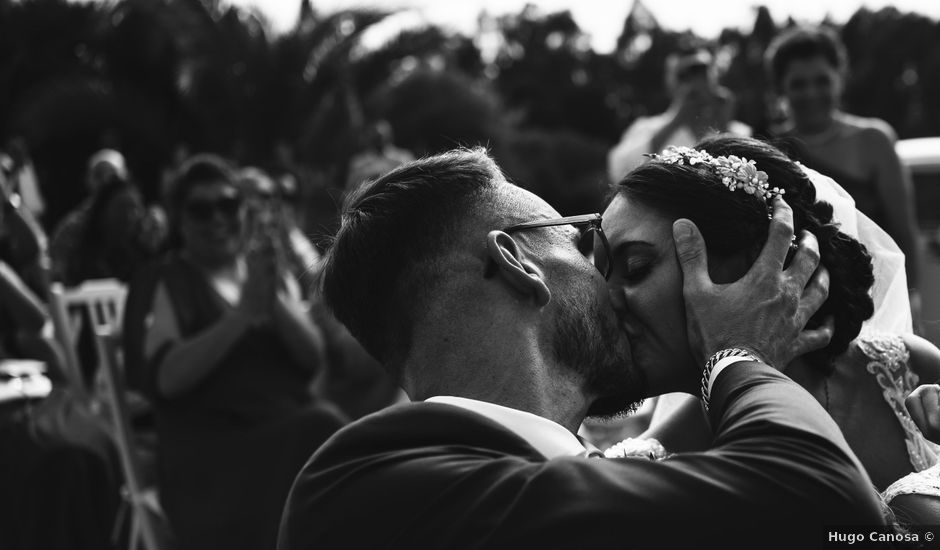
{"type": "Point", "coordinates": [505, 338]}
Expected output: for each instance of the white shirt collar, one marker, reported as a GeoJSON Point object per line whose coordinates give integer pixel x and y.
{"type": "Point", "coordinates": [548, 437]}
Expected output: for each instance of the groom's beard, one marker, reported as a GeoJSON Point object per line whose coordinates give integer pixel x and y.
{"type": "Point", "coordinates": [594, 346]}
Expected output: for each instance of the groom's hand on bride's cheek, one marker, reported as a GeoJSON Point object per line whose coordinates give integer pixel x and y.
{"type": "Point", "coordinates": [766, 310]}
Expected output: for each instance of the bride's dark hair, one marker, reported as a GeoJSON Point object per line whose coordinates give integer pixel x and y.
{"type": "Point", "coordinates": [735, 223]}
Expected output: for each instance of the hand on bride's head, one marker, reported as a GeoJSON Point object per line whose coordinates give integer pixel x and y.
{"type": "Point", "coordinates": [767, 309]}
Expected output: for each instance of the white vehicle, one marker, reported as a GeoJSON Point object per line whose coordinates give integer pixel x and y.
{"type": "Point", "coordinates": [922, 157]}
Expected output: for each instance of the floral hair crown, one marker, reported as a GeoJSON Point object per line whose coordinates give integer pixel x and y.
{"type": "Point", "coordinates": [735, 172]}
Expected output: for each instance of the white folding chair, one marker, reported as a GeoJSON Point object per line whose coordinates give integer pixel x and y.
{"type": "Point", "coordinates": [149, 528]}
{"type": "Point", "coordinates": [101, 301]}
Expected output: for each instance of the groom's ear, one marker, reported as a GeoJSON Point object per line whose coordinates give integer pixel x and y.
{"type": "Point", "coordinates": [514, 269]}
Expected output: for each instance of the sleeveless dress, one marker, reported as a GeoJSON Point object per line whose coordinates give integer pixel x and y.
{"type": "Point", "coordinates": [863, 190]}
{"type": "Point", "coordinates": [230, 447]}
{"type": "Point", "coordinates": [888, 362]}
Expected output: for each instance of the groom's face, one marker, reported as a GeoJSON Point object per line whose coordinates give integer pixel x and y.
{"type": "Point", "coordinates": [584, 336]}
{"type": "Point", "coordinates": [588, 340]}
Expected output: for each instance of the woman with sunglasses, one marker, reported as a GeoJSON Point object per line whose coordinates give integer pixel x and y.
{"type": "Point", "coordinates": [228, 356]}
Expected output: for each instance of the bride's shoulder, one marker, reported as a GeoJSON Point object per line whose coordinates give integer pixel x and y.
{"type": "Point", "coordinates": [919, 354]}
{"type": "Point", "coordinates": [881, 345]}
{"type": "Point", "coordinates": [925, 358]}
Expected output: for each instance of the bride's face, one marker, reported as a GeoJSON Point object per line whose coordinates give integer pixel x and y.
{"type": "Point", "coordinates": [646, 289]}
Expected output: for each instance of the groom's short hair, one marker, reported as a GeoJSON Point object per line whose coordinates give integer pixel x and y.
{"type": "Point", "coordinates": [384, 263]}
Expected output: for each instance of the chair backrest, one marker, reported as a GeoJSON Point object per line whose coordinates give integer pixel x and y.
{"type": "Point", "coordinates": [147, 517]}
{"type": "Point", "coordinates": [106, 343]}
{"type": "Point", "coordinates": [99, 301]}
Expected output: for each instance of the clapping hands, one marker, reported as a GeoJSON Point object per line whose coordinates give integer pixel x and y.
{"type": "Point", "coordinates": [259, 291]}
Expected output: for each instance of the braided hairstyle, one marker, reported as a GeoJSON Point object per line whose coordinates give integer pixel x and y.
{"type": "Point", "coordinates": [734, 223]}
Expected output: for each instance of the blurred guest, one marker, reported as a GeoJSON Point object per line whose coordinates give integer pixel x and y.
{"type": "Point", "coordinates": [808, 68]}
{"type": "Point", "coordinates": [177, 157]}
{"type": "Point", "coordinates": [24, 321]}
{"type": "Point", "coordinates": [21, 176]}
{"type": "Point", "coordinates": [111, 233]}
{"type": "Point", "coordinates": [377, 155]}
{"type": "Point", "coordinates": [268, 207]}
{"type": "Point", "coordinates": [306, 254]}
{"type": "Point", "coordinates": [353, 379]}
{"type": "Point", "coordinates": [58, 473]}
{"type": "Point", "coordinates": [227, 352]}
{"type": "Point", "coordinates": [312, 193]}
{"type": "Point", "coordinates": [700, 106]}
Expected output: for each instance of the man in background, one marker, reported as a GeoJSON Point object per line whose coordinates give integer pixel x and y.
{"type": "Point", "coordinates": [700, 106]}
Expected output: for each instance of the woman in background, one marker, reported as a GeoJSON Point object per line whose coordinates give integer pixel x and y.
{"type": "Point", "coordinates": [228, 354]}
{"type": "Point", "coordinates": [808, 66]}
{"type": "Point", "coordinates": [59, 477]}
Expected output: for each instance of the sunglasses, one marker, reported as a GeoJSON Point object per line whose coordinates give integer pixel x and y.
{"type": "Point", "coordinates": [592, 242]}
{"type": "Point", "coordinates": [204, 210]}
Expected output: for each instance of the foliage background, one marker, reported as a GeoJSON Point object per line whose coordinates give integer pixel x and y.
{"type": "Point", "coordinates": [159, 79]}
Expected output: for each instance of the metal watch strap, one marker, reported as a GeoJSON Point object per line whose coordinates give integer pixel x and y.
{"type": "Point", "coordinates": [713, 360]}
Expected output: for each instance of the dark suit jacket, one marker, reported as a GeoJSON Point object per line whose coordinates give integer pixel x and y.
{"type": "Point", "coordinates": [429, 475]}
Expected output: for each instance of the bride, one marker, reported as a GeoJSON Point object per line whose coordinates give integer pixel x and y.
{"type": "Point", "coordinates": [861, 378]}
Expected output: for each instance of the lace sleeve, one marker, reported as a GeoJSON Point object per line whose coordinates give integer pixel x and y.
{"type": "Point", "coordinates": [926, 482]}
{"type": "Point", "coordinates": [889, 364]}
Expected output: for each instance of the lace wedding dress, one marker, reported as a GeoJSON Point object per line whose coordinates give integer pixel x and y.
{"type": "Point", "coordinates": [888, 360]}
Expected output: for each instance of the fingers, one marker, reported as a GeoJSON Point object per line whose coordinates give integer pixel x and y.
{"type": "Point", "coordinates": [814, 339]}
{"type": "Point", "coordinates": [930, 400]}
{"type": "Point", "coordinates": [923, 404]}
{"type": "Point", "coordinates": [915, 408]}
{"type": "Point", "coordinates": [779, 236]}
{"type": "Point", "coordinates": [814, 295]}
{"type": "Point", "coordinates": [690, 249]}
{"type": "Point", "coordinates": [806, 258]}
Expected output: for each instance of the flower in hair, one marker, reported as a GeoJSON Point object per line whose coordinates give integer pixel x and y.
{"type": "Point", "coordinates": [735, 172]}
